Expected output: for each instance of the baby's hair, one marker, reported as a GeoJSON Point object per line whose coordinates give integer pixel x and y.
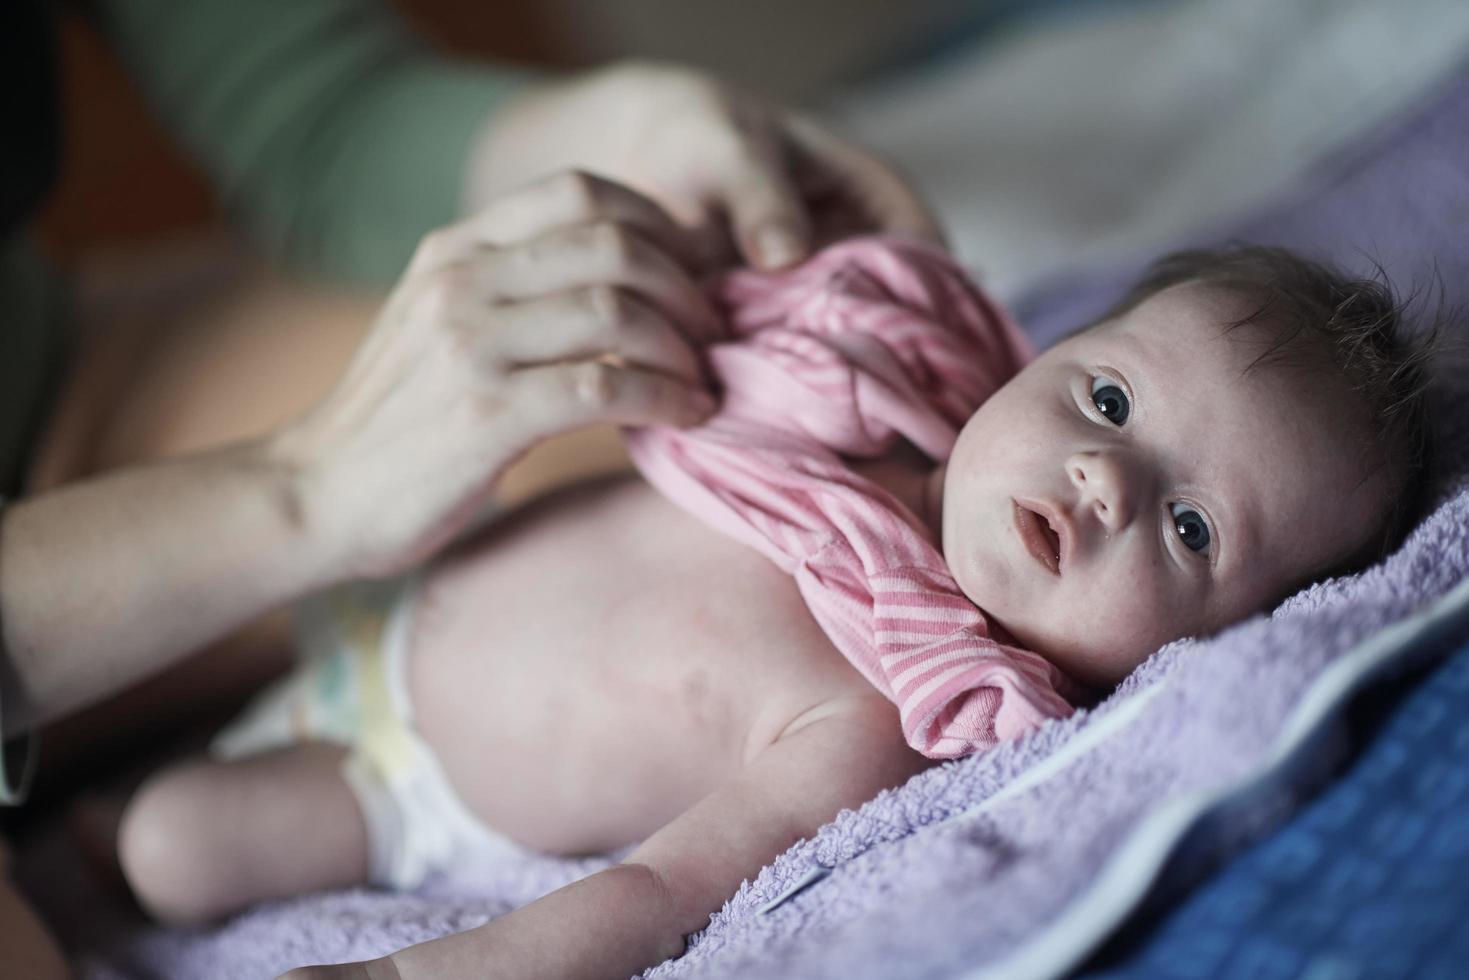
{"type": "Point", "coordinates": [1355, 327]}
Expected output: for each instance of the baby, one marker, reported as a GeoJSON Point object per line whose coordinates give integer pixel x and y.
{"type": "Point", "coordinates": [784, 623]}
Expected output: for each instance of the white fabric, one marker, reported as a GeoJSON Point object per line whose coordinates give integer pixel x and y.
{"type": "Point", "coordinates": [1131, 127]}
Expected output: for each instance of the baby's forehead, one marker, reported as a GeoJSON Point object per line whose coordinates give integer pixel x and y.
{"type": "Point", "coordinates": [1192, 333]}
{"type": "Point", "coordinates": [1188, 313]}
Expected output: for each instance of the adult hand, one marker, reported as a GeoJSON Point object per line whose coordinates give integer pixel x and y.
{"type": "Point", "coordinates": [556, 307]}
{"type": "Point", "coordinates": [740, 173]}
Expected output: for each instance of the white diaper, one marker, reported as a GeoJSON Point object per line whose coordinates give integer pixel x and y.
{"type": "Point", "coordinates": [351, 689]}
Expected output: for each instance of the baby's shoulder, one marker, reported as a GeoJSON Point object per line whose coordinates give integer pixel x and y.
{"type": "Point", "coordinates": [842, 752]}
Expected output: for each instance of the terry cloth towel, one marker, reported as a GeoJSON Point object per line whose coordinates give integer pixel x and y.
{"type": "Point", "coordinates": [869, 340]}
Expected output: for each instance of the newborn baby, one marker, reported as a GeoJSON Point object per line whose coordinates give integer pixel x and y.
{"type": "Point", "coordinates": [826, 587]}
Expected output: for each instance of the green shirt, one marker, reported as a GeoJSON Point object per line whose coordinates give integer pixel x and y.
{"type": "Point", "coordinates": [332, 132]}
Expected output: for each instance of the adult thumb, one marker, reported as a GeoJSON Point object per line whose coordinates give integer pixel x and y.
{"type": "Point", "coordinates": [766, 213]}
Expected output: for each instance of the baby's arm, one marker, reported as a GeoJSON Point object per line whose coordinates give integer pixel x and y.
{"type": "Point", "coordinates": [634, 915]}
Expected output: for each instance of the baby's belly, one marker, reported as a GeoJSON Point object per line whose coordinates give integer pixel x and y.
{"type": "Point", "coordinates": [593, 667]}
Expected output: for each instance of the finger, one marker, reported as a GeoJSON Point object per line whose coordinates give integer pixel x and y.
{"type": "Point", "coordinates": [766, 214]}
{"type": "Point", "coordinates": [562, 200]}
{"type": "Point", "coordinates": [597, 254]}
{"type": "Point", "coordinates": [558, 398]}
{"type": "Point", "coordinates": [596, 322]}
{"type": "Point", "coordinates": [713, 247]}
{"type": "Point", "coordinates": [883, 199]}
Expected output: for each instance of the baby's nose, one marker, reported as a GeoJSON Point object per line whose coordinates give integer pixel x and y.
{"type": "Point", "coordinates": [1108, 483]}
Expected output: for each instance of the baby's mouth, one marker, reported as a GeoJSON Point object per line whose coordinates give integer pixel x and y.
{"type": "Point", "coordinates": [1039, 538]}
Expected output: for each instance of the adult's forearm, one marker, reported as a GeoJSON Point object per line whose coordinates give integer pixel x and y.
{"type": "Point", "coordinates": [110, 579]}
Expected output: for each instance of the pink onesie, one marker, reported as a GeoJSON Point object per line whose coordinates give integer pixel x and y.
{"type": "Point", "coordinates": [870, 340]}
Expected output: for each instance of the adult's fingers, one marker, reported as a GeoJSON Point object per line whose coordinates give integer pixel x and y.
{"type": "Point", "coordinates": [585, 324]}
{"type": "Point", "coordinates": [558, 398]}
{"type": "Point", "coordinates": [589, 255]}
{"type": "Point", "coordinates": [562, 200]}
{"type": "Point", "coordinates": [756, 192]}
{"type": "Point", "coordinates": [879, 196]}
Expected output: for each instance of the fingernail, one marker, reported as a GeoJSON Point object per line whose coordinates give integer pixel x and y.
{"type": "Point", "coordinates": [777, 246]}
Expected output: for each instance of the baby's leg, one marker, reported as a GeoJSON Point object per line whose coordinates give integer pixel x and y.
{"type": "Point", "coordinates": [202, 840]}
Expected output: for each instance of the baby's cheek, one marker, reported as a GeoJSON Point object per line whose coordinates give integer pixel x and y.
{"type": "Point", "coordinates": [1128, 624]}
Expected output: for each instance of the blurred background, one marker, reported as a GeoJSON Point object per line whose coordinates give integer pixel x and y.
{"type": "Point", "coordinates": [125, 180]}
{"type": "Point", "coordinates": [1049, 134]}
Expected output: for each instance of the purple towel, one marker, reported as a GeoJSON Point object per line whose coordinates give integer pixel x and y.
{"type": "Point", "coordinates": [936, 878]}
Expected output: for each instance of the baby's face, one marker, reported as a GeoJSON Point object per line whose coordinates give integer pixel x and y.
{"type": "Point", "coordinates": [1135, 484]}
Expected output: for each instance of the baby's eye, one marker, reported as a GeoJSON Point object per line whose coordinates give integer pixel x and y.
{"type": "Point", "coordinates": [1111, 400]}
{"type": "Point", "coordinates": [1191, 527]}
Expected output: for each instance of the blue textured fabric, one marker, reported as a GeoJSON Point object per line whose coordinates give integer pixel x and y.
{"type": "Point", "coordinates": [1369, 880]}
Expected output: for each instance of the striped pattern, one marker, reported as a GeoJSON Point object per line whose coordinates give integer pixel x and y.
{"type": "Point", "coordinates": [870, 340]}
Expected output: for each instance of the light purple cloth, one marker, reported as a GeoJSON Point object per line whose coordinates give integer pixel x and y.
{"type": "Point", "coordinates": [920, 889]}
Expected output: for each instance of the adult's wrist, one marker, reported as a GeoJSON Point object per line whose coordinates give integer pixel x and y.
{"type": "Point", "coordinates": [297, 475]}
